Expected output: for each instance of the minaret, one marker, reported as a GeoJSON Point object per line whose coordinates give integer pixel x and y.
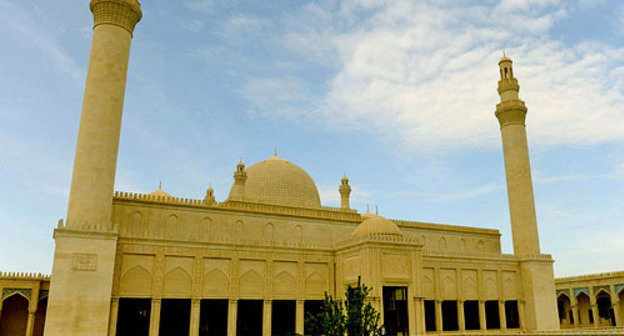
{"type": "Point", "coordinates": [209, 199]}
{"type": "Point", "coordinates": [511, 113]}
{"type": "Point", "coordinates": [80, 301]}
{"type": "Point", "coordinates": [93, 180]}
{"type": "Point", "coordinates": [345, 191]}
{"type": "Point", "coordinates": [538, 308]}
{"type": "Point", "coordinates": [240, 176]}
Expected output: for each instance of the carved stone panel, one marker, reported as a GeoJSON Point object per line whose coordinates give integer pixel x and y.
{"type": "Point", "coordinates": [136, 275]}
{"type": "Point", "coordinates": [448, 283]}
{"type": "Point", "coordinates": [428, 282]}
{"type": "Point", "coordinates": [285, 284]}
{"type": "Point", "coordinates": [395, 266]}
{"type": "Point", "coordinates": [470, 288]}
{"type": "Point", "coordinates": [316, 280]}
{"type": "Point", "coordinates": [178, 281]}
{"type": "Point", "coordinates": [216, 281]}
{"type": "Point", "coordinates": [252, 278]}
{"type": "Point", "coordinates": [490, 286]}
{"type": "Point", "coordinates": [511, 288]}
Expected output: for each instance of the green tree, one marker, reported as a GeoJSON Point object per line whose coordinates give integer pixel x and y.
{"type": "Point", "coordinates": [361, 319]}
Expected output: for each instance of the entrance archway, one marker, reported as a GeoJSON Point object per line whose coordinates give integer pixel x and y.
{"type": "Point", "coordinates": [14, 315]}
{"type": "Point", "coordinates": [585, 316]}
{"type": "Point", "coordinates": [564, 307]}
{"type": "Point", "coordinates": [606, 313]}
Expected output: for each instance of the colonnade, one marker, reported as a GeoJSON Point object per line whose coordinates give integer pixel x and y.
{"type": "Point", "coordinates": [195, 316]}
{"type": "Point", "coordinates": [458, 322]}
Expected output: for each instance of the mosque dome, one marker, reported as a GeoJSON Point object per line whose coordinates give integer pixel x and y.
{"type": "Point", "coordinates": [376, 225]}
{"type": "Point", "coordinates": [281, 182]}
{"type": "Point", "coordinates": [159, 192]}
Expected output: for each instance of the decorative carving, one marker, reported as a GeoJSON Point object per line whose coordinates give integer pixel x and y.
{"type": "Point", "coordinates": [25, 292]}
{"type": "Point", "coordinates": [178, 283]}
{"type": "Point", "coordinates": [136, 281]}
{"type": "Point", "coordinates": [122, 13]}
{"type": "Point", "coordinates": [84, 262]}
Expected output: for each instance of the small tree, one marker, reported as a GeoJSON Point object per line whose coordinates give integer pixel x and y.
{"type": "Point", "coordinates": [360, 320]}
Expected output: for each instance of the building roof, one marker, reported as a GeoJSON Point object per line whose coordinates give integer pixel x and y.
{"type": "Point", "coordinates": [281, 182]}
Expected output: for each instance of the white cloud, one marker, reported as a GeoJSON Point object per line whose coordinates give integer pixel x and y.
{"type": "Point", "coordinates": [424, 74]}
{"type": "Point", "coordinates": [281, 95]}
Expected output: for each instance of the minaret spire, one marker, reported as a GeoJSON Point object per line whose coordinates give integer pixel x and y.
{"type": "Point", "coordinates": [345, 192]}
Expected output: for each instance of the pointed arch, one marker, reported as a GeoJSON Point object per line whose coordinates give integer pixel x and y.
{"type": "Point", "coordinates": [239, 230]}
{"type": "Point", "coordinates": [136, 219]}
{"type": "Point", "coordinates": [442, 243]}
{"type": "Point", "coordinates": [269, 232]}
{"type": "Point", "coordinates": [137, 281]}
{"type": "Point", "coordinates": [14, 293]}
{"type": "Point", "coordinates": [315, 285]}
{"type": "Point", "coordinates": [602, 290]}
{"type": "Point", "coordinates": [14, 314]}
{"type": "Point", "coordinates": [178, 283]}
{"type": "Point", "coordinates": [285, 285]}
{"type": "Point", "coordinates": [171, 227]}
{"type": "Point", "coordinates": [560, 294]}
{"type": "Point", "coordinates": [251, 284]}
{"type": "Point", "coordinates": [215, 283]}
{"type": "Point", "coordinates": [205, 231]}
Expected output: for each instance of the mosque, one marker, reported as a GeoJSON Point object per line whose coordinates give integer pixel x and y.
{"type": "Point", "coordinates": [254, 264]}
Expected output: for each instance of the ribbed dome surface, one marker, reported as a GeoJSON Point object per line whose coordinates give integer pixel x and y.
{"type": "Point", "coordinates": [376, 225]}
{"type": "Point", "coordinates": [280, 182]}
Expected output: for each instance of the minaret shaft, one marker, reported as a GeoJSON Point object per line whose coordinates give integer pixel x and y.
{"type": "Point", "coordinates": [86, 248]}
{"type": "Point", "coordinates": [93, 180]}
{"type": "Point", "coordinates": [520, 190]}
{"type": "Point", "coordinates": [511, 114]}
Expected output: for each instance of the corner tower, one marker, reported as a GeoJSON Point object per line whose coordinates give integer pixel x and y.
{"type": "Point", "coordinates": [536, 269]}
{"type": "Point", "coordinates": [80, 300]}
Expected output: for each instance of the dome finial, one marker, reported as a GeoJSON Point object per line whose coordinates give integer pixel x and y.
{"type": "Point", "coordinates": [159, 185]}
{"type": "Point", "coordinates": [376, 210]}
{"type": "Point", "coordinates": [275, 151]}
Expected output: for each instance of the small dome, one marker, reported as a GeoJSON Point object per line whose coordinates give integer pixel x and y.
{"type": "Point", "coordinates": [159, 192]}
{"type": "Point", "coordinates": [376, 225]}
{"type": "Point", "coordinates": [280, 182]}
{"type": "Point", "coordinates": [505, 59]}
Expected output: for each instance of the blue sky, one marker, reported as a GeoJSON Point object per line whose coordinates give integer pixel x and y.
{"type": "Point", "coordinates": [399, 94]}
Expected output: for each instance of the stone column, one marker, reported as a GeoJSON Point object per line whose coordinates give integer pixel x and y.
{"type": "Point", "coordinates": [299, 317]}
{"type": "Point", "coordinates": [411, 315]}
{"type": "Point", "coordinates": [266, 325]}
{"type": "Point", "coordinates": [616, 312]}
{"type": "Point", "coordinates": [482, 320]}
{"type": "Point", "coordinates": [575, 315]}
{"type": "Point", "coordinates": [501, 313]}
{"type": "Point", "coordinates": [461, 317]}
{"type": "Point", "coordinates": [114, 314]}
{"type": "Point", "coordinates": [438, 315]}
{"type": "Point", "coordinates": [155, 317]}
{"type": "Point", "coordinates": [195, 311]}
{"type": "Point", "coordinates": [30, 324]}
{"type": "Point", "coordinates": [419, 312]}
{"type": "Point", "coordinates": [521, 315]}
{"type": "Point", "coordinates": [594, 308]}
{"type": "Point", "coordinates": [232, 315]}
